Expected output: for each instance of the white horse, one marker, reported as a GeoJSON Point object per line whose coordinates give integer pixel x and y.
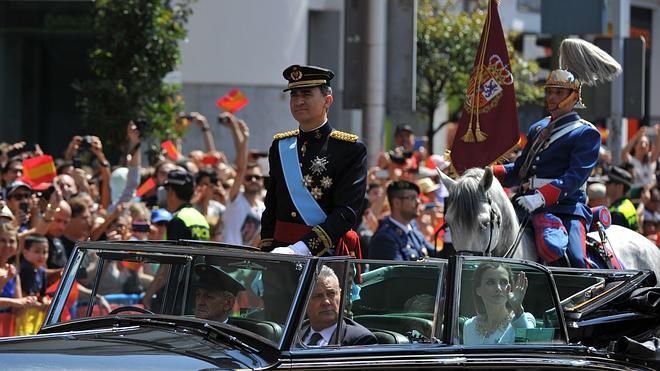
{"type": "Point", "coordinates": [483, 222]}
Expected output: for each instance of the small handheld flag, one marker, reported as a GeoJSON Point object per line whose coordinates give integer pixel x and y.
{"type": "Point", "coordinates": [233, 101]}
{"type": "Point", "coordinates": [171, 150]}
{"type": "Point", "coordinates": [39, 169]}
{"type": "Point", "coordinates": [145, 187]}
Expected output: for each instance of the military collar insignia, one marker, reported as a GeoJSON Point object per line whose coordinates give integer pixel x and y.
{"type": "Point", "coordinates": [317, 134]}
{"type": "Point", "coordinates": [318, 165]}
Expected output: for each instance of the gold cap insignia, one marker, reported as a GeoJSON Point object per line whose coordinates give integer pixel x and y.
{"type": "Point", "coordinates": [296, 74]}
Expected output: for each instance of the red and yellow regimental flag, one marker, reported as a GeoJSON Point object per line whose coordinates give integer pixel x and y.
{"type": "Point", "coordinates": [40, 169]}
{"type": "Point", "coordinates": [488, 128]}
{"type": "Point", "coordinates": [233, 101]}
{"type": "Point", "coordinates": [170, 148]}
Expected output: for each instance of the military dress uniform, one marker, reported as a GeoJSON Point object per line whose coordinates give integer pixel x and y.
{"type": "Point", "coordinates": [333, 166]}
{"type": "Point", "coordinates": [392, 242]}
{"type": "Point", "coordinates": [318, 180]}
{"type": "Point", "coordinates": [556, 162]}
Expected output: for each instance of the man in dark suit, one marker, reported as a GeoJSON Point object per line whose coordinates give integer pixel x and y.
{"type": "Point", "coordinates": [320, 329]}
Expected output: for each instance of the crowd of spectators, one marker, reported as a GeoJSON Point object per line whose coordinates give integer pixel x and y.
{"type": "Point", "coordinates": [92, 199]}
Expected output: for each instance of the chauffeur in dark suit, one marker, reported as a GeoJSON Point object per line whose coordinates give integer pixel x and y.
{"type": "Point", "coordinates": [322, 313]}
{"type": "Point", "coordinates": [317, 175]}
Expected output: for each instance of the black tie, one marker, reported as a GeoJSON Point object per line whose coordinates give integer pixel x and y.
{"type": "Point", "coordinates": [314, 340]}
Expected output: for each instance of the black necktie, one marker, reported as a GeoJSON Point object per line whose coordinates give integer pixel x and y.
{"type": "Point", "coordinates": [314, 340]}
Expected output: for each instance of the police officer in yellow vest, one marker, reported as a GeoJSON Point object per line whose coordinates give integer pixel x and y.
{"type": "Point", "coordinates": [187, 222]}
{"type": "Point", "coordinates": [624, 213]}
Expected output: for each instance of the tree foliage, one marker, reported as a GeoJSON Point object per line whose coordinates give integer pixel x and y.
{"type": "Point", "coordinates": [447, 43]}
{"type": "Point", "coordinates": [137, 45]}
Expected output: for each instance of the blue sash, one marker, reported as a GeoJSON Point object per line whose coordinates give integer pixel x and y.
{"type": "Point", "coordinates": [307, 207]}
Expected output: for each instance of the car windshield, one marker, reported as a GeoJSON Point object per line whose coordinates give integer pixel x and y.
{"type": "Point", "coordinates": [253, 292]}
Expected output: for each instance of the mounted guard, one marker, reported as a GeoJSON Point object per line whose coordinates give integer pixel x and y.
{"type": "Point", "coordinates": [561, 151]}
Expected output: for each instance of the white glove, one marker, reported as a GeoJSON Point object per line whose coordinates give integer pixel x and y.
{"type": "Point", "coordinates": [286, 250]}
{"type": "Point", "coordinates": [298, 248]}
{"type": "Point", "coordinates": [531, 202]}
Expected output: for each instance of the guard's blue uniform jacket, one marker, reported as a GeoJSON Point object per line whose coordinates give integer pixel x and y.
{"type": "Point", "coordinates": [559, 172]}
{"type": "Point", "coordinates": [390, 242]}
{"type": "Point", "coordinates": [568, 161]}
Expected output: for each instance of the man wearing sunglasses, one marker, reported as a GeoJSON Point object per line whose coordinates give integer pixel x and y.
{"type": "Point", "coordinates": [19, 201]}
{"type": "Point", "coordinates": [242, 219]}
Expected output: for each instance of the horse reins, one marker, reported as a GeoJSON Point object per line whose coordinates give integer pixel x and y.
{"type": "Point", "coordinates": [516, 242]}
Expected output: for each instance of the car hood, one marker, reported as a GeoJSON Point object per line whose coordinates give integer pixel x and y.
{"type": "Point", "coordinates": [124, 348]}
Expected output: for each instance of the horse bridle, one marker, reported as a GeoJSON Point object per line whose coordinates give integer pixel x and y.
{"type": "Point", "coordinates": [494, 218]}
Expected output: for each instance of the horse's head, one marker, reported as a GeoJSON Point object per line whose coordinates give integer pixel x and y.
{"type": "Point", "coordinates": [473, 211]}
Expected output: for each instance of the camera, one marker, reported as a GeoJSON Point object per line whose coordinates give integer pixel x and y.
{"type": "Point", "coordinates": [399, 155]}
{"type": "Point", "coordinates": [45, 194]}
{"type": "Point", "coordinates": [223, 120]}
{"type": "Point", "coordinates": [141, 124]}
{"type": "Point", "coordinates": [86, 142]}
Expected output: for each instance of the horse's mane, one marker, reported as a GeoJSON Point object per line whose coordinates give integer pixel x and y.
{"type": "Point", "coordinates": [465, 198]}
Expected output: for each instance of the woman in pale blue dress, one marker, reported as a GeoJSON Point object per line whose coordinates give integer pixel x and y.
{"type": "Point", "coordinates": [498, 304]}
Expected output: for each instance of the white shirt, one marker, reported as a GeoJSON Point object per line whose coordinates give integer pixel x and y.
{"type": "Point", "coordinates": [405, 228]}
{"type": "Point", "coordinates": [242, 222]}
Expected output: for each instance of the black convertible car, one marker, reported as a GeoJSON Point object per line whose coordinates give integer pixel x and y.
{"type": "Point", "coordinates": [421, 315]}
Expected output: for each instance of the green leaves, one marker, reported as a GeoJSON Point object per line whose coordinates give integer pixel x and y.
{"type": "Point", "coordinates": [137, 45]}
{"type": "Point", "coordinates": [447, 43]}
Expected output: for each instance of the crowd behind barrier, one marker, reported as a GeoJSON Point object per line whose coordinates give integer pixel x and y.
{"type": "Point", "coordinates": [92, 199]}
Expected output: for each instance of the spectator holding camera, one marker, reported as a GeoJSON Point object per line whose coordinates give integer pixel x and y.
{"type": "Point", "coordinates": [642, 155]}
{"type": "Point", "coordinates": [242, 218]}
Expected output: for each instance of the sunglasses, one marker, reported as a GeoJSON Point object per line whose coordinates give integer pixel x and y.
{"type": "Point", "coordinates": [250, 178]}
{"type": "Point", "coordinates": [20, 196]}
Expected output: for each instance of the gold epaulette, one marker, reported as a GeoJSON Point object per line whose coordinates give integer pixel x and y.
{"type": "Point", "coordinates": [347, 137]}
{"type": "Point", "coordinates": [285, 134]}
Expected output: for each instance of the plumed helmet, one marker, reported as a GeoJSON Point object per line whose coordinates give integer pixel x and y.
{"type": "Point", "coordinates": [562, 79]}
{"type": "Point", "coordinates": [566, 80]}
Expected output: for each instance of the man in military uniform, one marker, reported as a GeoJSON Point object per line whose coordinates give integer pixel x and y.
{"type": "Point", "coordinates": [617, 184]}
{"type": "Point", "coordinates": [398, 237]}
{"type": "Point", "coordinates": [553, 168]}
{"type": "Point", "coordinates": [318, 175]}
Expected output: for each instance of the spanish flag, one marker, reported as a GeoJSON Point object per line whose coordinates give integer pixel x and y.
{"type": "Point", "coordinates": [40, 169]}
{"type": "Point", "coordinates": [170, 148]}
{"type": "Point", "coordinates": [488, 128]}
{"type": "Point", "coordinates": [233, 101]}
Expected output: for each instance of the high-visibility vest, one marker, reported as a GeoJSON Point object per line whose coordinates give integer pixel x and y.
{"type": "Point", "coordinates": [196, 222]}
{"type": "Point", "coordinates": [626, 208]}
